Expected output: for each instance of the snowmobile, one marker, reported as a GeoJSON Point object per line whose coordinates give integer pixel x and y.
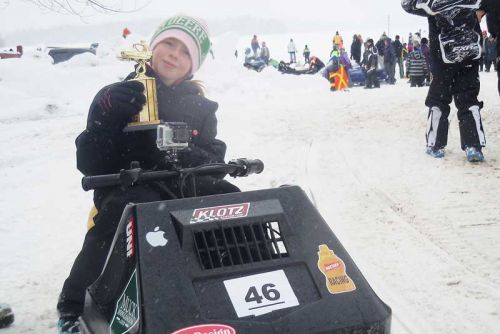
{"type": "Point", "coordinates": [61, 54]}
{"type": "Point", "coordinates": [6, 316]}
{"type": "Point", "coordinates": [358, 76]}
{"type": "Point", "coordinates": [312, 68]}
{"type": "Point", "coordinates": [253, 62]}
{"type": "Point", "coordinates": [259, 261]}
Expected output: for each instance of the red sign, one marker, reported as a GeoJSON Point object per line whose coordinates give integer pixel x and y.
{"type": "Point", "coordinates": [207, 329]}
{"type": "Point", "coordinates": [220, 212]}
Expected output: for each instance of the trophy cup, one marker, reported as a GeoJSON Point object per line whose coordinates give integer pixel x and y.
{"type": "Point", "coordinates": [148, 117]}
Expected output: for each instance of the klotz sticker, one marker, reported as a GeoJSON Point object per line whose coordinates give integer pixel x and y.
{"type": "Point", "coordinates": [220, 213]}
{"type": "Point", "coordinates": [207, 329]}
{"type": "Point", "coordinates": [130, 236]}
{"type": "Point", "coordinates": [334, 270]}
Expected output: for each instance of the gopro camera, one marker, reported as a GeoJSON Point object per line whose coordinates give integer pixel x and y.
{"type": "Point", "coordinates": [173, 136]}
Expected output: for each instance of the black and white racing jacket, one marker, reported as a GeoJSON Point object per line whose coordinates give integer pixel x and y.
{"type": "Point", "coordinates": [454, 31]}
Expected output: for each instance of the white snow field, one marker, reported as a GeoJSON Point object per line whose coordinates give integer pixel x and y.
{"type": "Point", "coordinates": [424, 232]}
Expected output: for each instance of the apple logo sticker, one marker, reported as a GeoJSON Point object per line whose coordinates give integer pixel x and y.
{"type": "Point", "coordinates": [156, 238]}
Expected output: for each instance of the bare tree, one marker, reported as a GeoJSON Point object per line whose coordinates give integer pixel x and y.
{"type": "Point", "coordinates": [84, 7]}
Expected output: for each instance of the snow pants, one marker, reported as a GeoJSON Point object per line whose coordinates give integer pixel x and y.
{"type": "Point", "coordinates": [390, 69]}
{"type": "Point", "coordinates": [417, 80]}
{"type": "Point", "coordinates": [461, 83]}
{"type": "Point", "coordinates": [110, 204]}
{"type": "Point", "coordinates": [372, 79]}
{"type": "Point", "coordinates": [401, 67]}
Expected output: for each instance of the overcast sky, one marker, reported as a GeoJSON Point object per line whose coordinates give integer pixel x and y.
{"type": "Point", "coordinates": [341, 14]}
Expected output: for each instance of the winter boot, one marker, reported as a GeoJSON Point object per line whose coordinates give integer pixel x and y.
{"type": "Point", "coordinates": [6, 316]}
{"type": "Point", "coordinates": [68, 325]}
{"type": "Point", "coordinates": [435, 152]}
{"type": "Point", "coordinates": [474, 154]}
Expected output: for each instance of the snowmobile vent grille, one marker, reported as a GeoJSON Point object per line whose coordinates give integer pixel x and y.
{"type": "Point", "coordinates": [240, 244]}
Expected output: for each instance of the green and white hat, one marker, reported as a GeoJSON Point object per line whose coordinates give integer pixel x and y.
{"type": "Point", "coordinates": [193, 32]}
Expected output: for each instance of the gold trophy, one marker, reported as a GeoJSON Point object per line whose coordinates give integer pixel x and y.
{"type": "Point", "coordinates": [148, 117]}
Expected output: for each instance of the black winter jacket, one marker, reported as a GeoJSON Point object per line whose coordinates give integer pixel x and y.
{"type": "Point", "coordinates": [103, 151]}
{"type": "Point", "coordinates": [356, 50]}
{"type": "Point", "coordinates": [370, 59]}
{"type": "Point", "coordinates": [398, 48]}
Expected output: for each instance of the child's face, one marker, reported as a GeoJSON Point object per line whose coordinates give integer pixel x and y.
{"type": "Point", "coordinates": [171, 61]}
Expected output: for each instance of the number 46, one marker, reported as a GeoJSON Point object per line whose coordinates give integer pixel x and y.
{"type": "Point", "coordinates": [267, 291]}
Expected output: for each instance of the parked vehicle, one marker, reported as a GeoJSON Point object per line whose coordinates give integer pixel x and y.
{"type": "Point", "coordinates": [10, 53]}
{"type": "Point", "coordinates": [60, 54]}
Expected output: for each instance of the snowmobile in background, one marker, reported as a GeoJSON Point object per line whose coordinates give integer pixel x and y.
{"type": "Point", "coordinates": [10, 53]}
{"type": "Point", "coordinates": [313, 67]}
{"type": "Point", "coordinates": [60, 54]}
{"type": "Point", "coordinates": [260, 261]}
{"type": "Point", "coordinates": [252, 62]}
{"type": "Point", "coordinates": [6, 316]}
{"type": "Point", "coordinates": [358, 76]}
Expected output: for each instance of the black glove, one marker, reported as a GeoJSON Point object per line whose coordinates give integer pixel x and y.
{"type": "Point", "coordinates": [115, 105]}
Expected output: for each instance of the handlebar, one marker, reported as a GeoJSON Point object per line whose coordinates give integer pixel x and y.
{"type": "Point", "coordinates": [128, 177]}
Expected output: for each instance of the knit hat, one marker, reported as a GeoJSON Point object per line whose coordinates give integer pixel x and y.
{"type": "Point", "coordinates": [193, 32]}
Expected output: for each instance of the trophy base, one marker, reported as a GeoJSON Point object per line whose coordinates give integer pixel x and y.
{"type": "Point", "coordinates": [141, 126]}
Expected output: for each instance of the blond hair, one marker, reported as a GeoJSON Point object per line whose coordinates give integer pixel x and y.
{"type": "Point", "coordinates": [198, 85]}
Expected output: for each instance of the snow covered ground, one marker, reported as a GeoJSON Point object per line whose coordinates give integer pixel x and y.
{"type": "Point", "coordinates": [423, 231]}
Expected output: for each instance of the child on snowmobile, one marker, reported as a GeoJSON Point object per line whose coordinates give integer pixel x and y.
{"type": "Point", "coordinates": [179, 47]}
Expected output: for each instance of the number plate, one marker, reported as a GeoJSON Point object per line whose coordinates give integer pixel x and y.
{"type": "Point", "coordinates": [260, 294]}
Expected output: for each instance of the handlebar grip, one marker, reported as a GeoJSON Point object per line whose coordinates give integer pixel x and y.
{"type": "Point", "coordinates": [101, 181]}
{"type": "Point", "coordinates": [247, 167]}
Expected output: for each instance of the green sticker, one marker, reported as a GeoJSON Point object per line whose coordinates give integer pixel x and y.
{"type": "Point", "coordinates": [127, 308]}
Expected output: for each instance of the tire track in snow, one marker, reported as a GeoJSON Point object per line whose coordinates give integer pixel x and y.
{"type": "Point", "coordinates": [400, 324]}
{"type": "Point", "coordinates": [410, 321]}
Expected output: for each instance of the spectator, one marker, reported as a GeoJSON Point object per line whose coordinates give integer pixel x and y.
{"type": "Point", "coordinates": [484, 37]}
{"type": "Point", "coordinates": [264, 53]}
{"type": "Point", "coordinates": [306, 54]}
{"type": "Point", "coordinates": [338, 40]}
{"type": "Point", "coordinates": [292, 49]}
{"type": "Point", "coordinates": [398, 50]}
{"type": "Point", "coordinates": [426, 52]}
{"type": "Point", "coordinates": [125, 32]}
{"type": "Point", "coordinates": [370, 65]}
{"type": "Point", "coordinates": [254, 44]}
{"type": "Point", "coordinates": [417, 67]}
{"type": "Point", "coordinates": [490, 54]}
{"type": "Point", "coordinates": [492, 10]}
{"type": "Point", "coordinates": [390, 61]}
{"type": "Point", "coordinates": [404, 56]}
{"type": "Point", "coordinates": [356, 49]}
